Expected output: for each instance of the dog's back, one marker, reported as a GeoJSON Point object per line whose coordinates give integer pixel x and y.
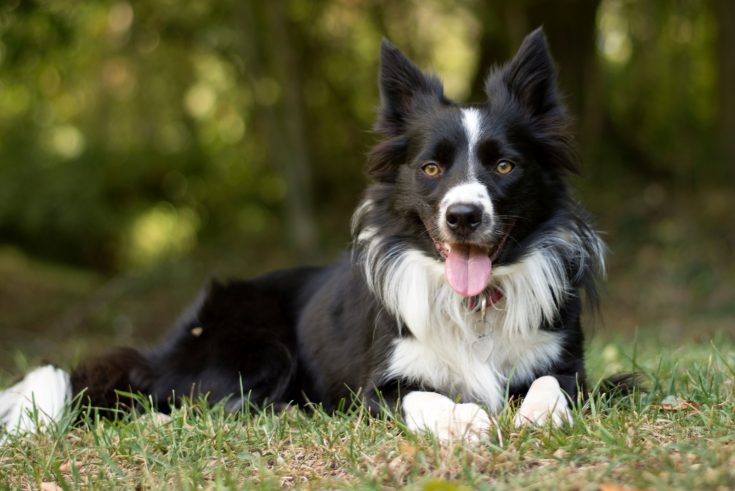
{"type": "Point", "coordinates": [237, 340]}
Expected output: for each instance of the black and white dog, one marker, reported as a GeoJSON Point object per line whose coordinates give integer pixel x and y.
{"type": "Point", "coordinates": [464, 285]}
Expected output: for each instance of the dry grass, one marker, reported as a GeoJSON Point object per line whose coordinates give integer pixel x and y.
{"type": "Point", "coordinates": [680, 434]}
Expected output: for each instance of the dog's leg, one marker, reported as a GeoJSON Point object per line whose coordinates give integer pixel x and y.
{"type": "Point", "coordinates": [40, 398]}
{"type": "Point", "coordinates": [429, 411]}
{"type": "Point", "coordinates": [544, 400]}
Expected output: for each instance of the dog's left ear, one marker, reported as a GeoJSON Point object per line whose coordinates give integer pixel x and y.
{"type": "Point", "coordinates": [530, 79]}
{"type": "Point", "coordinates": [530, 76]}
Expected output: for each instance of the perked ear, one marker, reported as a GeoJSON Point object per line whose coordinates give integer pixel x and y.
{"type": "Point", "coordinates": [403, 90]}
{"type": "Point", "coordinates": [530, 75]}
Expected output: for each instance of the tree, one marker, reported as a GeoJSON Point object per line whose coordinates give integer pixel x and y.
{"type": "Point", "coordinates": [267, 41]}
{"type": "Point", "coordinates": [571, 29]}
{"type": "Point", "coordinates": [724, 11]}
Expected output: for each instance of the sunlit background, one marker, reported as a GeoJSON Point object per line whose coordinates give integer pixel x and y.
{"type": "Point", "coordinates": [148, 146]}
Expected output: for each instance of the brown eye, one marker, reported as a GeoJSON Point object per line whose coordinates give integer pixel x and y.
{"type": "Point", "coordinates": [504, 167]}
{"type": "Point", "coordinates": [431, 169]}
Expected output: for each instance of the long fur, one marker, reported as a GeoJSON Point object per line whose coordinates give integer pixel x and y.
{"type": "Point", "coordinates": [385, 321]}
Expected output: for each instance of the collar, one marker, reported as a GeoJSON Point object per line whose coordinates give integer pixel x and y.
{"type": "Point", "coordinates": [488, 298]}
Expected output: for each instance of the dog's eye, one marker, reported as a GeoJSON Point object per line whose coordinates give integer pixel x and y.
{"type": "Point", "coordinates": [431, 169]}
{"type": "Point", "coordinates": [504, 167]}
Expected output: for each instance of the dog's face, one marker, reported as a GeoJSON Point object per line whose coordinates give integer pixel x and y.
{"type": "Point", "coordinates": [479, 178]}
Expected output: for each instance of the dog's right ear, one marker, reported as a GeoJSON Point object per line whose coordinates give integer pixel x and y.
{"type": "Point", "coordinates": [404, 89]}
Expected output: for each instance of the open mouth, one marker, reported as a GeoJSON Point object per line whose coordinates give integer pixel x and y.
{"type": "Point", "coordinates": [468, 267]}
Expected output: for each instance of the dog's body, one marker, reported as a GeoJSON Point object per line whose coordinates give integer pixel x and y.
{"type": "Point", "coordinates": [469, 257]}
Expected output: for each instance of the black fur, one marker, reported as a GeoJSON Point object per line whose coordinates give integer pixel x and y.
{"type": "Point", "coordinates": [322, 334]}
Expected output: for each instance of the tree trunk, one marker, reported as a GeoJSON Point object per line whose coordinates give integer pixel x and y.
{"type": "Point", "coordinates": [724, 11]}
{"type": "Point", "coordinates": [267, 51]}
{"type": "Point", "coordinates": [571, 27]}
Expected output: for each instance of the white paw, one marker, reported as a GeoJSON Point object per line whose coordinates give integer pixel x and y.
{"type": "Point", "coordinates": [544, 400]}
{"type": "Point", "coordinates": [429, 411]}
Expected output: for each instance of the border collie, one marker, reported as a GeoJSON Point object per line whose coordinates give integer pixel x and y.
{"type": "Point", "coordinates": [469, 266]}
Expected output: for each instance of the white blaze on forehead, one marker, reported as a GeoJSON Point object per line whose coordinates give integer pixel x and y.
{"type": "Point", "coordinates": [471, 124]}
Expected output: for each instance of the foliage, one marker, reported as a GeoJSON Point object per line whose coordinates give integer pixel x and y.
{"type": "Point", "coordinates": [134, 132]}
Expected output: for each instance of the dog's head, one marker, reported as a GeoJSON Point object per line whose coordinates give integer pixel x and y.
{"type": "Point", "coordinates": [479, 177]}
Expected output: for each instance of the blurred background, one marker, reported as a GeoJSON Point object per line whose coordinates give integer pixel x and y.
{"type": "Point", "coordinates": [148, 146]}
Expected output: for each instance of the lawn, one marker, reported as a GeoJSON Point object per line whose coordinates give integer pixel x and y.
{"type": "Point", "coordinates": [678, 434]}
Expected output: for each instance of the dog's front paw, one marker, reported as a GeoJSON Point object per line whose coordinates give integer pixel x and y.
{"type": "Point", "coordinates": [544, 400]}
{"type": "Point", "coordinates": [448, 421]}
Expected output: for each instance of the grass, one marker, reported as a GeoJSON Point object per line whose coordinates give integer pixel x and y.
{"type": "Point", "coordinates": [680, 434]}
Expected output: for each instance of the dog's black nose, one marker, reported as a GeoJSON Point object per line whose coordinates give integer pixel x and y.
{"type": "Point", "coordinates": [464, 218]}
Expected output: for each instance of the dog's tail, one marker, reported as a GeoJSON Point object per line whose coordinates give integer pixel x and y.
{"type": "Point", "coordinates": [621, 385]}
{"type": "Point", "coordinates": [100, 381]}
{"type": "Point", "coordinates": [41, 398]}
{"type": "Point", "coordinates": [45, 395]}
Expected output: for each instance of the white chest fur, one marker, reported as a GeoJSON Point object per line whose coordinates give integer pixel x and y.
{"type": "Point", "coordinates": [476, 370]}
{"type": "Point", "coordinates": [451, 349]}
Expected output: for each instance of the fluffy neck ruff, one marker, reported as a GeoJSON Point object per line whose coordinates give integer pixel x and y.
{"type": "Point", "coordinates": [411, 285]}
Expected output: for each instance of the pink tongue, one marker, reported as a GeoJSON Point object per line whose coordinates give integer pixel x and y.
{"type": "Point", "coordinates": [468, 269]}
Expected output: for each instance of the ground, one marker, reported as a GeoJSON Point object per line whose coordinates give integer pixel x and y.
{"type": "Point", "coordinates": [679, 433]}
